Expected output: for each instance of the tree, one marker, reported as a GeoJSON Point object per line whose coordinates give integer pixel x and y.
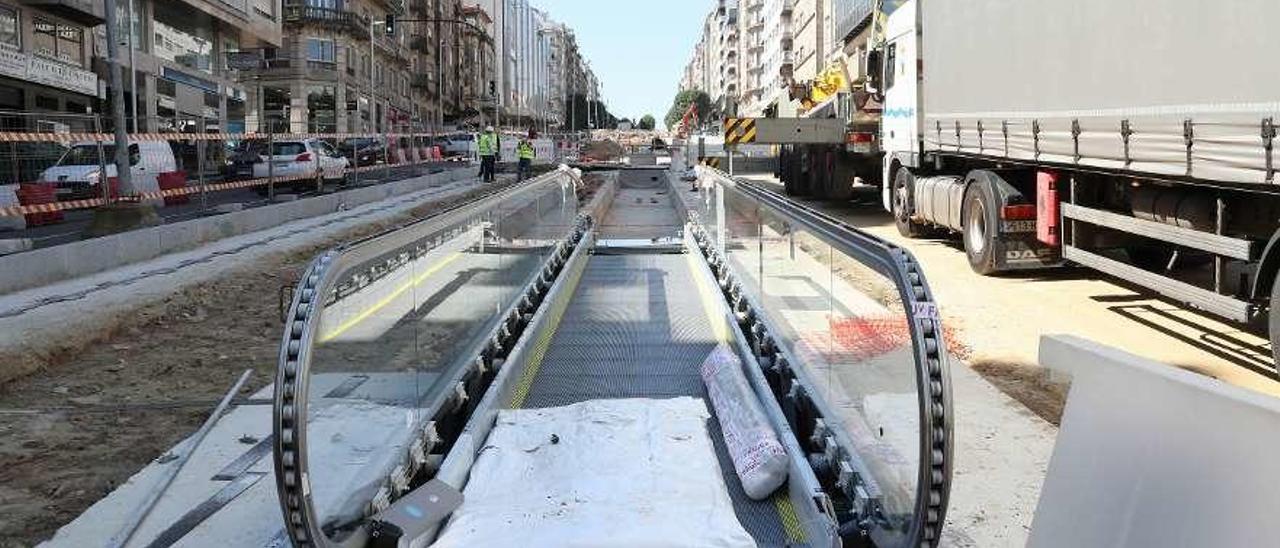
{"type": "Point", "coordinates": [681, 104]}
{"type": "Point", "coordinates": [576, 109]}
{"type": "Point", "coordinates": [647, 123]}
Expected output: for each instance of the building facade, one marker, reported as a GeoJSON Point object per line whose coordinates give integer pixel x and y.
{"type": "Point", "coordinates": [46, 61]}
{"type": "Point", "coordinates": [174, 58]}
{"type": "Point", "coordinates": [752, 52]}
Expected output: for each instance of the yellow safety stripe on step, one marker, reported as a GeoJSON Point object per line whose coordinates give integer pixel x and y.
{"type": "Point", "coordinates": [364, 314]}
{"type": "Point", "coordinates": [543, 341]}
{"type": "Point", "coordinates": [709, 301]}
{"type": "Point", "coordinates": [787, 513]}
{"type": "Point", "coordinates": [720, 328]}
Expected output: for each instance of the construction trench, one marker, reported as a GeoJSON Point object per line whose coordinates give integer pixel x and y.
{"type": "Point", "coordinates": [518, 369]}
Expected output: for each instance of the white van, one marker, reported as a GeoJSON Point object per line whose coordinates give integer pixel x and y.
{"type": "Point", "coordinates": [79, 171]}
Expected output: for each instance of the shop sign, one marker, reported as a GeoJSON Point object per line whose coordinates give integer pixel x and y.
{"type": "Point", "coordinates": [33, 68]}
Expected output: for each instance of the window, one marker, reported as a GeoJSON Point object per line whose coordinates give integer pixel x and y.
{"type": "Point", "coordinates": [10, 35]}
{"type": "Point", "coordinates": [58, 41]}
{"type": "Point", "coordinates": [327, 4]}
{"type": "Point", "coordinates": [890, 66]}
{"type": "Point", "coordinates": [322, 51]}
{"type": "Point", "coordinates": [265, 7]}
{"type": "Point", "coordinates": [182, 37]}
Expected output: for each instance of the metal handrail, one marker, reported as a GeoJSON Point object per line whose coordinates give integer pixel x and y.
{"type": "Point", "coordinates": [315, 288]}
{"type": "Point", "coordinates": [931, 360]}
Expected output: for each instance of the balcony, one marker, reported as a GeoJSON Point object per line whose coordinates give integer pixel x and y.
{"type": "Point", "coordinates": [421, 6]}
{"type": "Point", "coordinates": [425, 81]}
{"type": "Point", "coordinates": [340, 20]}
{"type": "Point", "coordinates": [85, 12]}
{"type": "Point", "coordinates": [788, 7]}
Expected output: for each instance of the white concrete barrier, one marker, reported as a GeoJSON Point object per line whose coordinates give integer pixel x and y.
{"type": "Point", "coordinates": [8, 198]}
{"type": "Point", "coordinates": [1153, 455]}
{"type": "Point", "coordinates": [52, 264]}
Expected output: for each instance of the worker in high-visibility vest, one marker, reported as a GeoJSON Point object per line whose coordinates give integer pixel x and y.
{"type": "Point", "coordinates": [488, 147]}
{"type": "Point", "coordinates": [525, 153]}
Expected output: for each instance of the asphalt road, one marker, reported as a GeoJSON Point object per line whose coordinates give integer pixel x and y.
{"type": "Point", "coordinates": [1001, 318]}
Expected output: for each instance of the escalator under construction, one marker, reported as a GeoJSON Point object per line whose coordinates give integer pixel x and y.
{"type": "Point", "coordinates": [570, 364]}
{"type": "Point", "coordinates": [524, 302]}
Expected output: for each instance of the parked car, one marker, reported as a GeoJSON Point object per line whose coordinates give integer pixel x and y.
{"type": "Point", "coordinates": [308, 163]}
{"type": "Point", "coordinates": [79, 172]}
{"type": "Point", "coordinates": [363, 151]}
{"type": "Point", "coordinates": [240, 158]}
{"type": "Point", "coordinates": [458, 144]}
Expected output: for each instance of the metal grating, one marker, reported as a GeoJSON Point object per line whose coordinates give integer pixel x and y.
{"type": "Point", "coordinates": [635, 327]}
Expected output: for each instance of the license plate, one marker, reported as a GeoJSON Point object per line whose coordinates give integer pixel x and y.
{"type": "Point", "coordinates": [1018, 226]}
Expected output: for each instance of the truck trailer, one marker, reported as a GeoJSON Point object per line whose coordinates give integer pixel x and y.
{"type": "Point", "coordinates": [1134, 138]}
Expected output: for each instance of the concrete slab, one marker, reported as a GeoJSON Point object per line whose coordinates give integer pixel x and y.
{"type": "Point", "coordinates": [14, 245]}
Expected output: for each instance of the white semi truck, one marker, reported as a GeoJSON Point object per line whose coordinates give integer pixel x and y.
{"type": "Point", "coordinates": [1135, 138]}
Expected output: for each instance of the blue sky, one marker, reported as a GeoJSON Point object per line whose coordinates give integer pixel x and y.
{"type": "Point", "coordinates": [638, 49]}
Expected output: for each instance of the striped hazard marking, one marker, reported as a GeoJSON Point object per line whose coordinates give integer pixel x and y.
{"type": "Point", "coordinates": [739, 130]}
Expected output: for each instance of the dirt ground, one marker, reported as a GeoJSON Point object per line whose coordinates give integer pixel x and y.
{"type": "Point", "coordinates": [999, 319]}
{"type": "Point", "coordinates": [102, 409]}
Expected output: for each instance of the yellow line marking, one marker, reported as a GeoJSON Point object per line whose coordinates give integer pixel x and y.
{"type": "Point", "coordinates": [521, 391]}
{"type": "Point", "coordinates": [787, 512]}
{"type": "Point", "coordinates": [364, 314]}
{"type": "Point", "coordinates": [709, 301]}
{"type": "Point", "coordinates": [750, 136]}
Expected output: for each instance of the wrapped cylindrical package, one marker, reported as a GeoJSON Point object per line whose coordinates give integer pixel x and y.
{"type": "Point", "coordinates": [758, 457]}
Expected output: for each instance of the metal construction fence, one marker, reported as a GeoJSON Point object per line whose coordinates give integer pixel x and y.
{"type": "Point", "coordinates": [52, 163]}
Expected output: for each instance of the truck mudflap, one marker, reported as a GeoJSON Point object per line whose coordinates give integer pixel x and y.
{"type": "Point", "coordinates": [1019, 249]}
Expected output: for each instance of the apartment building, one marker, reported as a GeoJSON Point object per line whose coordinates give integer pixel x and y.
{"type": "Point", "coordinates": [174, 57]}
{"type": "Point", "coordinates": [751, 53]}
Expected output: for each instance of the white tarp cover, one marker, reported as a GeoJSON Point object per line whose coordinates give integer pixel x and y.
{"type": "Point", "coordinates": [625, 473]}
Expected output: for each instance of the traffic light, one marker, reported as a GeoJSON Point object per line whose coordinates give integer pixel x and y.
{"type": "Point", "coordinates": [493, 88]}
{"type": "Point", "coordinates": [390, 24]}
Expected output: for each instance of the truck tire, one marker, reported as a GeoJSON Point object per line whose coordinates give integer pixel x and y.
{"type": "Point", "coordinates": [981, 227]}
{"type": "Point", "coordinates": [904, 183]}
{"type": "Point", "coordinates": [842, 173]}
{"type": "Point", "coordinates": [786, 173]}
{"type": "Point", "coordinates": [1273, 323]}
{"type": "Point", "coordinates": [820, 174]}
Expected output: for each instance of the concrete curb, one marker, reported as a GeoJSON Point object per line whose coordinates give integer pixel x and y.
{"type": "Point", "coordinates": [53, 264]}
{"type": "Point", "coordinates": [599, 205]}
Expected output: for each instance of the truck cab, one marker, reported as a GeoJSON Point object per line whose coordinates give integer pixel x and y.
{"type": "Point", "coordinates": [896, 76]}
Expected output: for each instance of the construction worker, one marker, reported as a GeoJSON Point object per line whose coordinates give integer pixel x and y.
{"type": "Point", "coordinates": [525, 153]}
{"type": "Point", "coordinates": [488, 146]}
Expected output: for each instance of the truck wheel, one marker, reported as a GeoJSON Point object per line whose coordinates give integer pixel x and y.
{"type": "Point", "coordinates": [786, 173]}
{"type": "Point", "coordinates": [903, 189]}
{"type": "Point", "coordinates": [820, 175]}
{"type": "Point", "coordinates": [1273, 323]}
{"type": "Point", "coordinates": [980, 227]}
{"type": "Point", "coordinates": [842, 173]}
